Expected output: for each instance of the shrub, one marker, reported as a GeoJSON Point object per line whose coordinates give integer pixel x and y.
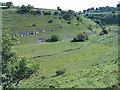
{"type": "Point", "coordinates": [33, 25]}
{"type": "Point", "coordinates": [50, 21]}
{"type": "Point", "coordinates": [86, 35]}
{"type": "Point", "coordinates": [79, 18]}
{"type": "Point", "coordinates": [60, 17]}
{"type": "Point", "coordinates": [105, 31]}
{"type": "Point", "coordinates": [56, 13]}
{"type": "Point", "coordinates": [90, 27]}
{"type": "Point", "coordinates": [60, 72]}
{"type": "Point", "coordinates": [98, 22]}
{"type": "Point", "coordinates": [80, 37]}
{"type": "Point", "coordinates": [69, 22]}
{"type": "Point", "coordinates": [77, 24]}
{"type": "Point", "coordinates": [54, 38]}
{"type": "Point", "coordinates": [101, 33]}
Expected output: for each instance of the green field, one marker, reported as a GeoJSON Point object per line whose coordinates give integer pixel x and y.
{"type": "Point", "coordinates": [82, 65]}
{"type": "Point", "coordinates": [89, 64]}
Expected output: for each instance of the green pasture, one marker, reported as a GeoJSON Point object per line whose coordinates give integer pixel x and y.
{"type": "Point", "coordinates": [94, 66]}
{"type": "Point", "coordinates": [85, 66]}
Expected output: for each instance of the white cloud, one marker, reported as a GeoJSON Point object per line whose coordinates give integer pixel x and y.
{"type": "Point", "coordinates": [76, 5]}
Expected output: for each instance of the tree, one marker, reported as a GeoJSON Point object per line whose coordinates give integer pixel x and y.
{"type": "Point", "coordinates": [92, 8]}
{"type": "Point", "coordinates": [29, 7]}
{"type": "Point", "coordinates": [9, 4]}
{"type": "Point", "coordinates": [113, 12]}
{"type": "Point", "coordinates": [25, 9]}
{"type": "Point", "coordinates": [56, 13]}
{"type": "Point", "coordinates": [84, 11]}
{"type": "Point", "coordinates": [14, 67]}
{"type": "Point", "coordinates": [80, 37]}
{"type": "Point", "coordinates": [79, 18]}
{"type": "Point", "coordinates": [105, 31]}
{"type": "Point", "coordinates": [59, 9]}
{"type": "Point", "coordinates": [118, 5]}
{"type": "Point", "coordinates": [68, 15]}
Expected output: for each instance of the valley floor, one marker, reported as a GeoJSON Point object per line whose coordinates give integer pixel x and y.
{"type": "Point", "coordinates": [90, 64]}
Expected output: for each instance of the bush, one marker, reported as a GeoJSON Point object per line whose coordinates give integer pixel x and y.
{"type": "Point", "coordinates": [60, 17]}
{"type": "Point", "coordinates": [54, 38]}
{"type": "Point", "coordinates": [101, 33]}
{"type": "Point", "coordinates": [105, 31]}
{"type": "Point", "coordinates": [25, 9]}
{"type": "Point", "coordinates": [50, 21]}
{"type": "Point", "coordinates": [80, 37]}
{"type": "Point", "coordinates": [69, 22]}
{"type": "Point", "coordinates": [77, 24]}
{"type": "Point", "coordinates": [98, 22]}
{"type": "Point", "coordinates": [33, 25]}
{"type": "Point", "coordinates": [90, 27]}
{"type": "Point", "coordinates": [60, 72]}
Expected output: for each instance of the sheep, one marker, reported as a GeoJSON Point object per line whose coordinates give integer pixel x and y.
{"type": "Point", "coordinates": [43, 31]}
{"type": "Point", "coordinates": [21, 34]}
{"type": "Point", "coordinates": [14, 34]}
{"type": "Point", "coordinates": [37, 32]}
{"type": "Point", "coordinates": [18, 42]}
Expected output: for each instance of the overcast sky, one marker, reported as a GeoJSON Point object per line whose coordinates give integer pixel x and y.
{"type": "Point", "coordinates": [76, 5]}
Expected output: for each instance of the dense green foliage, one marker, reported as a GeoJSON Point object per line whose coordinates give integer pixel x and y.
{"type": "Point", "coordinates": [68, 15]}
{"type": "Point", "coordinates": [24, 9]}
{"type": "Point", "coordinates": [105, 18]}
{"type": "Point", "coordinates": [104, 31]}
{"type": "Point", "coordinates": [81, 37]}
{"type": "Point", "coordinates": [14, 67]}
{"type": "Point", "coordinates": [8, 4]}
{"type": "Point", "coordinates": [101, 9]}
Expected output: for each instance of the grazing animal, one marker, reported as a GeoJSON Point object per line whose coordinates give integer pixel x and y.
{"type": "Point", "coordinates": [43, 31]}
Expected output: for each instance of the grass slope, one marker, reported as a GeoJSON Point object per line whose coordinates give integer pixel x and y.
{"type": "Point", "coordinates": [92, 66]}
{"type": "Point", "coordinates": [85, 66]}
{"type": "Point", "coordinates": [19, 23]}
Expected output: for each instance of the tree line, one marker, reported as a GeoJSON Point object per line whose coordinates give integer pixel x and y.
{"type": "Point", "coordinates": [101, 9]}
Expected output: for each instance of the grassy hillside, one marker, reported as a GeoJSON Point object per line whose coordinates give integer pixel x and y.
{"type": "Point", "coordinates": [65, 64]}
{"type": "Point", "coordinates": [91, 66]}
{"type": "Point", "coordinates": [20, 23]}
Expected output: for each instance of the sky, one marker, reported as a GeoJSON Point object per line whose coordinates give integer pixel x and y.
{"type": "Point", "coordinates": [76, 5]}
